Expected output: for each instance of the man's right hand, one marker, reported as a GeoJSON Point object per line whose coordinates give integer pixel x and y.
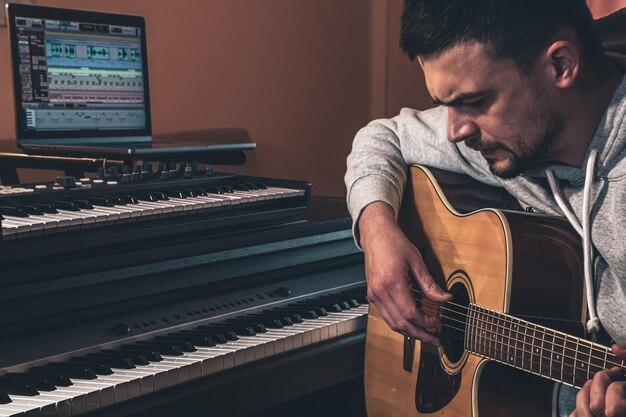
{"type": "Point", "coordinates": [391, 260]}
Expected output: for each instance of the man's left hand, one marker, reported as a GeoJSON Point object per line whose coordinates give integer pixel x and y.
{"type": "Point", "coordinates": [605, 394]}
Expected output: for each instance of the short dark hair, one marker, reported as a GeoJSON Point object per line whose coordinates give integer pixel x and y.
{"type": "Point", "coordinates": [514, 29]}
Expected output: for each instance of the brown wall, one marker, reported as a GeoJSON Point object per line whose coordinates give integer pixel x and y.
{"type": "Point", "coordinates": [300, 76]}
{"type": "Point", "coordinates": [297, 75]}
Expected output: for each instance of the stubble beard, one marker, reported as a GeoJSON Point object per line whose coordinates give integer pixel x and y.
{"type": "Point", "coordinates": [527, 158]}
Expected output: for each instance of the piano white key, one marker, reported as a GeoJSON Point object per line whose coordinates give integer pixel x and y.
{"type": "Point", "coordinates": [20, 410]}
{"type": "Point", "coordinates": [32, 224]}
{"type": "Point", "coordinates": [137, 382]}
{"type": "Point", "coordinates": [188, 369]}
{"type": "Point", "coordinates": [105, 391]}
{"type": "Point", "coordinates": [34, 405]}
{"type": "Point", "coordinates": [62, 404]}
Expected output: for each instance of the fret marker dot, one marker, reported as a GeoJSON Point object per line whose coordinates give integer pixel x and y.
{"type": "Point", "coordinates": [537, 350]}
{"type": "Point", "coordinates": [558, 357]}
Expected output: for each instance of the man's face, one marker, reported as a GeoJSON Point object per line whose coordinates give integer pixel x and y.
{"type": "Point", "coordinates": [493, 108]}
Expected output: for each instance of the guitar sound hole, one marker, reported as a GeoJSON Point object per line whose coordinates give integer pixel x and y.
{"type": "Point", "coordinates": [454, 320]}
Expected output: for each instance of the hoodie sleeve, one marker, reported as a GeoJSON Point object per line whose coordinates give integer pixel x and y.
{"type": "Point", "coordinates": [384, 149]}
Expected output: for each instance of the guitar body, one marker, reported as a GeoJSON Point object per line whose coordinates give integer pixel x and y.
{"type": "Point", "coordinates": [523, 264]}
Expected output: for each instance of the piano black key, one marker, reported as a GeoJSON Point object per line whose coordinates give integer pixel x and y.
{"type": "Point", "coordinates": [116, 361]}
{"type": "Point", "coordinates": [245, 329]}
{"type": "Point", "coordinates": [18, 387]}
{"type": "Point", "coordinates": [28, 208]}
{"type": "Point", "coordinates": [152, 355]}
{"type": "Point", "coordinates": [70, 371]}
{"type": "Point", "coordinates": [321, 311]}
{"type": "Point", "coordinates": [4, 397]}
{"type": "Point", "coordinates": [44, 207]}
{"type": "Point", "coordinates": [57, 378]}
{"type": "Point", "coordinates": [216, 330]}
{"type": "Point", "coordinates": [213, 189]}
{"type": "Point", "coordinates": [239, 187]}
{"type": "Point", "coordinates": [40, 382]}
{"type": "Point", "coordinates": [13, 211]}
{"type": "Point", "coordinates": [65, 205]}
{"type": "Point", "coordinates": [197, 338]}
{"type": "Point", "coordinates": [307, 313]}
{"type": "Point", "coordinates": [273, 323]}
{"type": "Point", "coordinates": [175, 193]}
{"type": "Point", "coordinates": [183, 342]}
{"type": "Point", "coordinates": [83, 204]}
{"type": "Point", "coordinates": [135, 357]}
{"type": "Point", "coordinates": [102, 201]}
{"type": "Point", "coordinates": [99, 368]}
{"type": "Point", "coordinates": [295, 317]}
{"type": "Point", "coordinates": [171, 349]}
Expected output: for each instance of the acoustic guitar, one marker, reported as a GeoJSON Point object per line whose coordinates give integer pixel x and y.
{"type": "Point", "coordinates": [514, 327]}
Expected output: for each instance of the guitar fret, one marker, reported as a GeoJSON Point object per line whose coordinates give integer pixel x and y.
{"type": "Point", "coordinates": [502, 325]}
{"type": "Point", "coordinates": [525, 350]}
{"type": "Point", "coordinates": [519, 347]}
{"type": "Point", "coordinates": [543, 339]}
{"type": "Point", "coordinates": [568, 360]}
{"type": "Point", "coordinates": [550, 347]}
{"type": "Point", "coordinates": [533, 349]}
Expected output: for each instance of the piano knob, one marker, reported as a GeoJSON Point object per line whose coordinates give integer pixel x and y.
{"type": "Point", "coordinates": [282, 292]}
{"type": "Point", "coordinates": [188, 171]}
{"type": "Point", "coordinates": [121, 328]}
{"type": "Point", "coordinates": [66, 182]}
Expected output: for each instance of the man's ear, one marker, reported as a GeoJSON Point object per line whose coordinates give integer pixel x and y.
{"type": "Point", "coordinates": [563, 63]}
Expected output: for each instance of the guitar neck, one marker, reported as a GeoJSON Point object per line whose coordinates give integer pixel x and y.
{"type": "Point", "coordinates": [533, 348]}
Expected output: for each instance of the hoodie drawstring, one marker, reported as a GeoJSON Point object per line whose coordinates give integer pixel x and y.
{"type": "Point", "coordinates": [584, 230]}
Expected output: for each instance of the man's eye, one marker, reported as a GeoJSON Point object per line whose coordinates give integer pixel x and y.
{"type": "Point", "coordinates": [475, 104]}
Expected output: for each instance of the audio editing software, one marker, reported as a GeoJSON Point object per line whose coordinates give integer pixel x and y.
{"type": "Point", "coordinates": [80, 76]}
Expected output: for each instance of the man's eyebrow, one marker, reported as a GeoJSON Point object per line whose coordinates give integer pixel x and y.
{"type": "Point", "coordinates": [460, 98]}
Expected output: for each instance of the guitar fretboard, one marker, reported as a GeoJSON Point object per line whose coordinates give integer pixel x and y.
{"type": "Point", "coordinates": [533, 348]}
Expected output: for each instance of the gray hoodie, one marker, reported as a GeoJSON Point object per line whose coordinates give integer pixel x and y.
{"type": "Point", "coordinates": [383, 149]}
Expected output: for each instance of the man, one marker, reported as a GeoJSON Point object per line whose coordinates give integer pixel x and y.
{"type": "Point", "coordinates": [527, 100]}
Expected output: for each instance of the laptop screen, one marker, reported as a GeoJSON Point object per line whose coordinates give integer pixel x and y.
{"type": "Point", "coordinates": [80, 77]}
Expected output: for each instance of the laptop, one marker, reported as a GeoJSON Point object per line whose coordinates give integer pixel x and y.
{"type": "Point", "coordinates": [81, 85]}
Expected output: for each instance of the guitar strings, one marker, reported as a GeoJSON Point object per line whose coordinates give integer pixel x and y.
{"type": "Point", "coordinates": [485, 342]}
{"type": "Point", "coordinates": [557, 335]}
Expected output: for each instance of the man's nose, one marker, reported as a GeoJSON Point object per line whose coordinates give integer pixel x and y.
{"type": "Point", "coordinates": [460, 127]}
